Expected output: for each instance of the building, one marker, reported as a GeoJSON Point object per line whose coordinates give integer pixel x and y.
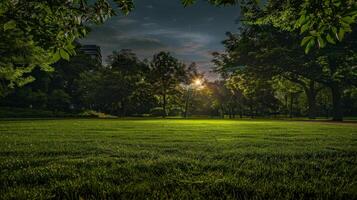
{"type": "Point", "coordinates": [93, 51]}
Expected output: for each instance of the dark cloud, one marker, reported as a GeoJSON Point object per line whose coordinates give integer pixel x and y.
{"type": "Point", "coordinates": [190, 33]}
{"type": "Point", "coordinates": [144, 43]}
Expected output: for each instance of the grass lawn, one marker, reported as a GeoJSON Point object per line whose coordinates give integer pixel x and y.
{"type": "Point", "coordinates": [177, 159]}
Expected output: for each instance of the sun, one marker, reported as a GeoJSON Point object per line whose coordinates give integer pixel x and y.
{"type": "Point", "coordinates": [197, 82]}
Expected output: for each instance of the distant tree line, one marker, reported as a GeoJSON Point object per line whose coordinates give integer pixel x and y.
{"type": "Point", "coordinates": [128, 86]}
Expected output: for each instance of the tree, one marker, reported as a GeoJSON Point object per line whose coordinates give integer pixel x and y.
{"type": "Point", "coordinates": [67, 72]}
{"type": "Point", "coordinates": [221, 97]}
{"type": "Point", "coordinates": [88, 89]}
{"type": "Point", "coordinates": [257, 92]}
{"type": "Point", "coordinates": [166, 73]}
{"type": "Point", "coordinates": [126, 62]}
{"type": "Point", "coordinates": [19, 57]}
{"type": "Point", "coordinates": [38, 33]}
{"type": "Point", "coordinates": [121, 88]}
{"type": "Point", "coordinates": [267, 52]}
{"type": "Point", "coordinates": [37, 93]}
{"type": "Point", "coordinates": [193, 81]}
{"type": "Point", "coordinates": [338, 71]}
{"type": "Point", "coordinates": [238, 99]}
{"type": "Point", "coordinates": [130, 76]}
{"type": "Point", "coordinates": [288, 93]}
{"type": "Point", "coordinates": [319, 21]}
{"type": "Point", "coordinates": [59, 100]}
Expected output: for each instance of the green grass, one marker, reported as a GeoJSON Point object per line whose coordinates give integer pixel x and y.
{"type": "Point", "coordinates": [177, 159]}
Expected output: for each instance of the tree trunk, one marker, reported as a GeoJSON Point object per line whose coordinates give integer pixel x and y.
{"type": "Point", "coordinates": [164, 114]}
{"type": "Point", "coordinates": [240, 111]}
{"type": "Point", "coordinates": [286, 106]}
{"type": "Point", "coordinates": [311, 98]}
{"type": "Point", "coordinates": [251, 111]}
{"type": "Point", "coordinates": [291, 104]}
{"type": "Point", "coordinates": [311, 94]}
{"type": "Point", "coordinates": [186, 103]}
{"type": "Point", "coordinates": [223, 111]}
{"type": "Point", "coordinates": [124, 109]}
{"type": "Point", "coordinates": [186, 109]}
{"type": "Point", "coordinates": [337, 114]}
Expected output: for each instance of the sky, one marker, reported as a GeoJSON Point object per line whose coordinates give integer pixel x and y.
{"type": "Point", "coordinates": [190, 34]}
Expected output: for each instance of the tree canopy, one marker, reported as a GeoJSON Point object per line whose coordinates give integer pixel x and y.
{"type": "Point", "coordinates": [39, 33]}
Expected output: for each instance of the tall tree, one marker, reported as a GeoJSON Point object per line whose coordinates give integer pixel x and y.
{"type": "Point", "coordinates": [166, 73]}
{"type": "Point", "coordinates": [193, 81]}
{"type": "Point", "coordinates": [128, 75]}
{"type": "Point", "coordinates": [37, 94]}
{"type": "Point", "coordinates": [120, 88]}
{"type": "Point", "coordinates": [267, 51]}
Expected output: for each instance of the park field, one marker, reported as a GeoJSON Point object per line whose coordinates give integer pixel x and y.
{"type": "Point", "coordinates": [177, 159]}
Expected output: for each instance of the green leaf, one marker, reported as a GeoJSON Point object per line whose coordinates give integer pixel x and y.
{"type": "Point", "coordinates": [56, 56]}
{"type": "Point", "coordinates": [188, 2]}
{"type": "Point", "coordinates": [70, 46]}
{"type": "Point", "coordinates": [341, 34]}
{"type": "Point", "coordinates": [304, 28]}
{"type": "Point", "coordinates": [314, 33]}
{"type": "Point", "coordinates": [321, 42]}
{"type": "Point", "coordinates": [330, 39]}
{"type": "Point", "coordinates": [64, 54]}
{"type": "Point", "coordinates": [305, 40]}
{"type": "Point", "coordinates": [348, 20]}
{"type": "Point", "coordinates": [301, 20]}
{"type": "Point", "coordinates": [346, 27]}
{"type": "Point", "coordinates": [334, 30]}
{"type": "Point", "coordinates": [9, 25]}
{"type": "Point", "coordinates": [309, 46]}
{"type": "Point", "coordinates": [337, 3]}
{"type": "Point", "coordinates": [126, 6]}
{"type": "Point", "coordinates": [84, 31]}
{"type": "Point", "coordinates": [352, 13]}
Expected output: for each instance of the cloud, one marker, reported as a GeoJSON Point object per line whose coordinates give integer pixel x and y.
{"type": "Point", "coordinates": [184, 44]}
{"type": "Point", "coordinates": [147, 37]}
{"type": "Point", "coordinates": [210, 19]}
{"type": "Point", "coordinates": [150, 40]}
{"type": "Point", "coordinates": [125, 21]}
{"type": "Point", "coordinates": [187, 38]}
{"type": "Point", "coordinates": [190, 34]}
{"type": "Point", "coordinates": [149, 24]}
{"type": "Point", "coordinates": [140, 43]}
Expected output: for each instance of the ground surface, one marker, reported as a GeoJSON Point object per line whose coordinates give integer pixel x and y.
{"type": "Point", "coordinates": [177, 159]}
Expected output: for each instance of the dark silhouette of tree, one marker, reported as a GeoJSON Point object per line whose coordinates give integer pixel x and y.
{"type": "Point", "coordinates": [267, 52]}
{"type": "Point", "coordinates": [166, 73]}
